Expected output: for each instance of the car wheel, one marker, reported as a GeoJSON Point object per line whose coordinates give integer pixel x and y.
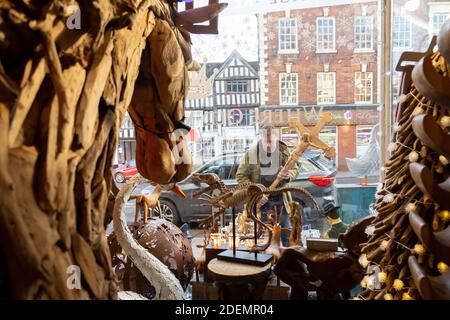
{"type": "Point", "coordinates": [119, 177]}
{"type": "Point", "coordinates": [170, 212]}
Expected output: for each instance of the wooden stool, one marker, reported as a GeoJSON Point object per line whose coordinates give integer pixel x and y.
{"type": "Point", "coordinates": [237, 281]}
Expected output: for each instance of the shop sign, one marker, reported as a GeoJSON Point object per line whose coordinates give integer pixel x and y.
{"type": "Point", "coordinates": [233, 132]}
{"type": "Point", "coordinates": [310, 116]}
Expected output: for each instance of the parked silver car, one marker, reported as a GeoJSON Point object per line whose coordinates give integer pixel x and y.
{"type": "Point", "coordinates": [314, 175]}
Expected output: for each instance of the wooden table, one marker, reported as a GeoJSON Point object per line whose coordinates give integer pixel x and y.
{"type": "Point", "coordinates": [237, 281]}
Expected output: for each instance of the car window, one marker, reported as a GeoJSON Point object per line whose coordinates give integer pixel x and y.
{"type": "Point", "coordinates": [306, 165]}
{"type": "Point", "coordinates": [327, 163]}
{"type": "Point", "coordinates": [221, 167]}
{"type": "Point", "coordinates": [236, 161]}
{"type": "Point", "coordinates": [132, 163]}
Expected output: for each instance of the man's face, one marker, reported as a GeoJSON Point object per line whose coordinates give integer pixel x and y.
{"type": "Point", "coordinates": [268, 140]}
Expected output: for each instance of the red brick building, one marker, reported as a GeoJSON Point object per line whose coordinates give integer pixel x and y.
{"type": "Point", "coordinates": [317, 59]}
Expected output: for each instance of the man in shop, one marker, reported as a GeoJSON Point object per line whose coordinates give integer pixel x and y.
{"type": "Point", "coordinates": [262, 163]}
{"type": "Point", "coordinates": [337, 227]}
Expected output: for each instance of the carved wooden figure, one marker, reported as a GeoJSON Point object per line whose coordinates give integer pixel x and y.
{"type": "Point", "coordinates": [307, 138]}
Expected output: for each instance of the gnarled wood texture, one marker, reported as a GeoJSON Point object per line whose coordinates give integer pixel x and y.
{"type": "Point", "coordinates": [63, 94]}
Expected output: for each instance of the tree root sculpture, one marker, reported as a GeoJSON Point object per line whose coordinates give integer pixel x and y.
{"type": "Point", "coordinates": [64, 90]}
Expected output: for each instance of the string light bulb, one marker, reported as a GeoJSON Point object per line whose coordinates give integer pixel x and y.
{"type": "Point", "coordinates": [410, 207]}
{"type": "Point", "coordinates": [363, 282]}
{"type": "Point", "coordinates": [397, 127]}
{"type": "Point", "coordinates": [417, 111]}
{"type": "Point", "coordinates": [419, 249]}
{"type": "Point", "coordinates": [392, 147]}
{"type": "Point", "coordinates": [442, 267]}
{"type": "Point", "coordinates": [389, 198]}
{"type": "Point", "coordinates": [370, 282]}
{"type": "Point", "coordinates": [444, 215]}
{"type": "Point", "coordinates": [443, 160]}
{"type": "Point", "coordinates": [413, 156]}
{"type": "Point", "coordinates": [379, 187]}
{"type": "Point", "coordinates": [382, 277]}
{"type": "Point", "coordinates": [384, 244]}
{"type": "Point", "coordinates": [370, 230]}
{"type": "Point", "coordinates": [363, 260]}
{"type": "Point", "coordinates": [388, 296]}
{"type": "Point", "coordinates": [445, 121]}
{"type": "Point", "coordinates": [398, 284]}
{"type": "Point", "coordinates": [407, 296]}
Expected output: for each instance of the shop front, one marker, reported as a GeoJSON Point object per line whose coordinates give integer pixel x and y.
{"type": "Point", "coordinates": [348, 132]}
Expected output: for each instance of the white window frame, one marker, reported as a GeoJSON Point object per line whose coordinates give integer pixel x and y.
{"type": "Point", "coordinates": [295, 34]}
{"type": "Point", "coordinates": [319, 48]}
{"type": "Point", "coordinates": [368, 37]}
{"type": "Point", "coordinates": [319, 74]}
{"type": "Point", "coordinates": [360, 73]}
{"type": "Point", "coordinates": [437, 8]}
{"type": "Point", "coordinates": [401, 48]}
{"type": "Point", "coordinates": [295, 100]}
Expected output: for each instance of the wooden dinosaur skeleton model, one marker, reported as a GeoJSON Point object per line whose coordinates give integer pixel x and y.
{"type": "Point", "coordinates": [241, 194]}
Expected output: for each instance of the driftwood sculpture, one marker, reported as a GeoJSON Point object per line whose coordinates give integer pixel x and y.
{"type": "Point", "coordinates": [307, 138]}
{"type": "Point", "coordinates": [328, 273]}
{"type": "Point", "coordinates": [410, 239]}
{"type": "Point", "coordinates": [64, 89]}
{"type": "Point", "coordinates": [295, 216]}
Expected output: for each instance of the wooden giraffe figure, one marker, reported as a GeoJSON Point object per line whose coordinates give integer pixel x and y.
{"type": "Point", "coordinates": [307, 138]}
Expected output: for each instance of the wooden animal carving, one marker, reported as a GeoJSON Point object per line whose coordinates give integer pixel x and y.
{"type": "Point", "coordinates": [296, 212]}
{"type": "Point", "coordinates": [306, 138]}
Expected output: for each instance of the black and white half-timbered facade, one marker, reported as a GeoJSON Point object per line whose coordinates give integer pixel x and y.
{"type": "Point", "coordinates": [223, 106]}
{"type": "Point", "coordinates": [236, 92]}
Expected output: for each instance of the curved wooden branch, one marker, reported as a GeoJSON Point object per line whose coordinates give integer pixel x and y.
{"type": "Point", "coordinates": [430, 288]}
{"type": "Point", "coordinates": [430, 83]}
{"type": "Point", "coordinates": [431, 134]}
{"type": "Point", "coordinates": [423, 177]}
{"type": "Point", "coordinates": [438, 243]}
